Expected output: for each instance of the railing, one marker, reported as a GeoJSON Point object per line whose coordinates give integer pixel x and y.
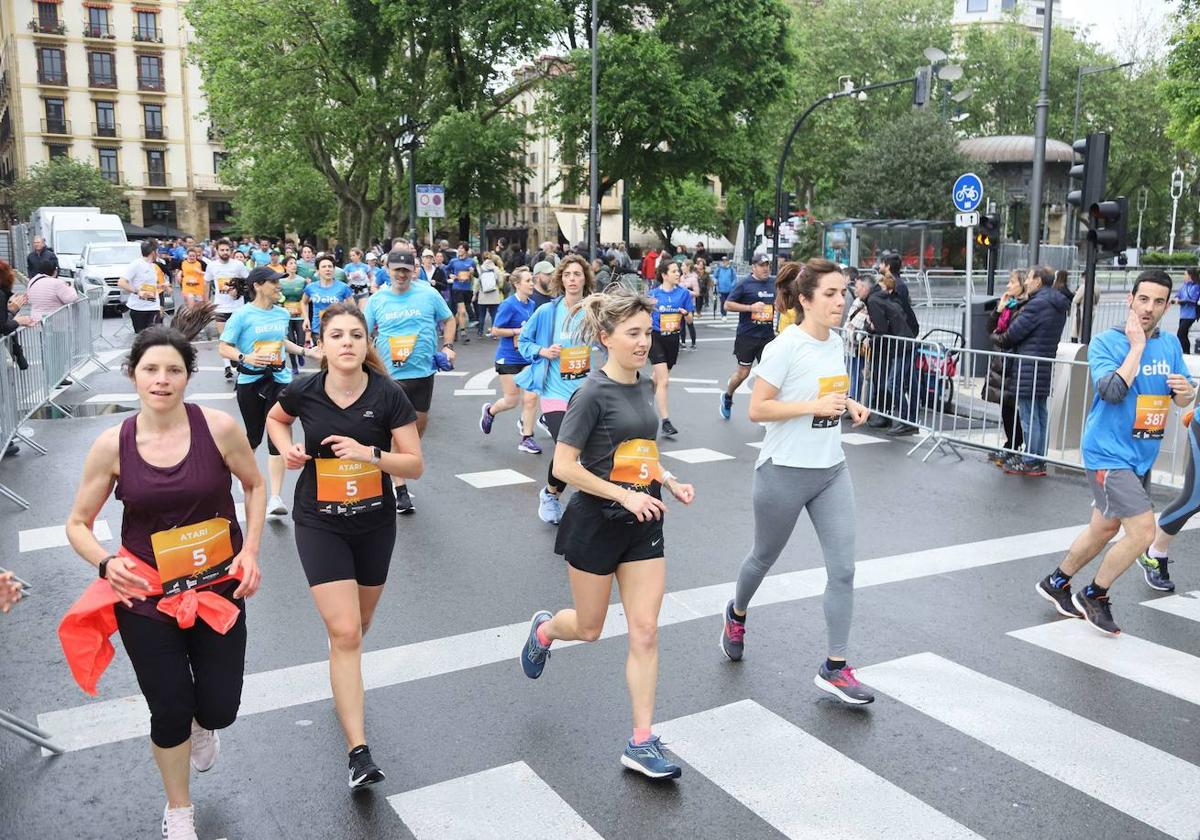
{"type": "Point", "coordinates": [53, 77]}
{"type": "Point", "coordinates": [155, 83]}
{"type": "Point", "coordinates": [156, 179]}
{"type": "Point", "coordinates": [211, 183]}
{"type": "Point", "coordinates": [147, 35]}
{"type": "Point", "coordinates": [107, 80]}
{"type": "Point", "coordinates": [109, 130]}
{"type": "Point", "coordinates": [113, 176]}
{"type": "Point", "coordinates": [47, 27]}
{"type": "Point", "coordinates": [56, 127]}
{"type": "Point", "coordinates": [35, 360]}
{"type": "Point", "coordinates": [154, 132]}
{"type": "Point", "coordinates": [98, 30]}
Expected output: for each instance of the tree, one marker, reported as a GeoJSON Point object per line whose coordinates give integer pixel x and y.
{"type": "Point", "coordinates": [905, 169]}
{"type": "Point", "coordinates": [280, 191]}
{"type": "Point", "coordinates": [65, 182]}
{"type": "Point", "coordinates": [671, 205]}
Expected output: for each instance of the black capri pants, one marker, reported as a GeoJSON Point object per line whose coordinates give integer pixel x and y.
{"type": "Point", "coordinates": [554, 423]}
{"type": "Point", "coordinates": [256, 399]}
{"type": "Point", "coordinates": [185, 674]}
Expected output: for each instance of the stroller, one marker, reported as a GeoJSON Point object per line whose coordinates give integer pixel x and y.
{"type": "Point", "coordinates": [937, 368]}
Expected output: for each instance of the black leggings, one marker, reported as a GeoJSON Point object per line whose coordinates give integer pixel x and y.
{"type": "Point", "coordinates": [1185, 505]}
{"type": "Point", "coordinates": [296, 336]}
{"type": "Point", "coordinates": [1013, 434]}
{"type": "Point", "coordinates": [554, 423]}
{"type": "Point", "coordinates": [691, 330]}
{"type": "Point", "coordinates": [256, 399]}
{"type": "Point", "coordinates": [1185, 324]}
{"type": "Point", "coordinates": [185, 674]}
{"type": "Point", "coordinates": [141, 319]}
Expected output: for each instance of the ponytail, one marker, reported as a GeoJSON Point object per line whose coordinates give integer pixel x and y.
{"type": "Point", "coordinates": [798, 281]}
{"type": "Point", "coordinates": [603, 312]}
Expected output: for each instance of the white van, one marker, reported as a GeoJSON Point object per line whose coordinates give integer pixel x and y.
{"type": "Point", "coordinates": [67, 230]}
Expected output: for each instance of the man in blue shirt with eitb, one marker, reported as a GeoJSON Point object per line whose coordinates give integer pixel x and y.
{"type": "Point", "coordinates": [1137, 372]}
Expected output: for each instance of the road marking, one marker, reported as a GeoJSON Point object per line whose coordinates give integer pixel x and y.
{"type": "Point", "coordinates": [796, 782]}
{"type": "Point", "coordinates": [1154, 666]}
{"type": "Point", "coordinates": [684, 381]}
{"type": "Point", "coordinates": [505, 803]}
{"type": "Point", "coordinates": [452, 373]}
{"type": "Point", "coordinates": [709, 390]}
{"type": "Point", "coordinates": [494, 478]}
{"type": "Point", "coordinates": [480, 381]}
{"type": "Point", "coordinates": [698, 456]}
{"type": "Point", "coordinates": [860, 440]}
{"type": "Point", "coordinates": [55, 536]}
{"type": "Point", "coordinates": [1101, 762]}
{"type": "Point", "coordinates": [1185, 605]}
{"type": "Point", "coordinates": [756, 444]}
{"type": "Point", "coordinates": [467, 392]}
{"type": "Point", "coordinates": [718, 338]}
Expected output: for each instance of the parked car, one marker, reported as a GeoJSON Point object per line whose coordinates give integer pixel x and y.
{"type": "Point", "coordinates": [101, 264]}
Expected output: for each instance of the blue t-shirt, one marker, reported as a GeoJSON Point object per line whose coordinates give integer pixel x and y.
{"type": "Point", "coordinates": [751, 291]}
{"type": "Point", "coordinates": [321, 298]}
{"type": "Point", "coordinates": [565, 330]}
{"type": "Point", "coordinates": [252, 325]}
{"type": "Point", "coordinates": [260, 257]}
{"type": "Point", "coordinates": [381, 277]}
{"type": "Point", "coordinates": [1188, 296]}
{"type": "Point", "coordinates": [457, 266]}
{"type": "Point", "coordinates": [512, 314]}
{"type": "Point", "coordinates": [1127, 435]}
{"type": "Point", "coordinates": [407, 326]}
{"type": "Point", "coordinates": [358, 275]}
{"type": "Point", "coordinates": [676, 301]}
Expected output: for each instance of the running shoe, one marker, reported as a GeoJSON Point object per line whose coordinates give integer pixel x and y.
{"type": "Point", "coordinates": [1154, 570]}
{"type": "Point", "coordinates": [902, 430]}
{"type": "Point", "coordinates": [668, 428]}
{"type": "Point", "coordinates": [206, 744]}
{"type": "Point", "coordinates": [648, 759]}
{"type": "Point", "coordinates": [1060, 597]}
{"type": "Point", "coordinates": [998, 457]}
{"type": "Point", "coordinates": [466, 339]}
{"type": "Point", "coordinates": [1096, 612]}
{"type": "Point", "coordinates": [1025, 468]}
{"type": "Point", "coordinates": [403, 500]}
{"type": "Point", "coordinates": [843, 685]}
{"type": "Point", "coordinates": [179, 823]}
{"type": "Point", "coordinates": [549, 507]}
{"type": "Point", "coordinates": [541, 422]}
{"type": "Point", "coordinates": [229, 373]}
{"type": "Point", "coordinates": [276, 507]}
{"type": "Point", "coordinates": [535, 654]}
{"type": "Point", "coordinates": [726, 406]}
{"type": "Point", "coordinates": [363, 769]}
{"type": "Point", "coordinates": [733, 634]}
{"type": "Point", "coordinates": [528, 444]}
{"type": "Point", "coordinates": [486, 419]}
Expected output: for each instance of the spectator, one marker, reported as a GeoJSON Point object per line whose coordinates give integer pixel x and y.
{"type": "Point", "coordinates": [650, 265]}
{"type": "Point", "coordinates": [47, 291]}
{"type": "Point", "coordinates": [487, 290]}
{"type": "Point", "coordinates": [1077, 304]}
{"type": "Point", "coordinates": [1187, 297]}
{"type": "Point", "coordinates": [891, 357]}
{"type": "Point", "coordinates": [10, 322]}
{"type": "Point", "coordinates": [1002, 371]}
{"type": "Point", "coordinates": [10, 591]}
{"type": "Point", "coordinates": [705, 280]}
{"type": "Point", "coordinates": [858, 324]}
{"type": "Point", "coordinates": [33, 262]}
{"type": "Point", "coordinates": [894, 265]}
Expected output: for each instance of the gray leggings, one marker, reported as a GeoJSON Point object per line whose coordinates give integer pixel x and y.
{"type": "Point", "coordinates": [780, 495]}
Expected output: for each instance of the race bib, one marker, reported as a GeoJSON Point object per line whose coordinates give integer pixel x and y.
{"type": "Point", "coordinates": [193, 287]}
{"type": "Point", "coordinates": [635, 463]}
{"type": "Point", "coordinates": [148, 289]}
{"type": "Point", "coordinates": [575, 362]}
{"type": "Point", "coordinates": [1150, 422]}
{"type": "Point", "coordinates": [401, 347]}
{"type": "Point", "coordinates": [346, 487]}
{"type": "Point", "coordinates": [463, 276]}
{"type": "Point", "coordinates": [293, 308]}
{"type": "Point", "coordinates": [830, 385]}
{"type": "Point", "coordinates": [767, 316]}
{"type": "Point", "coordinates": [192, 556]}
{"type": "Point", "coordinates": [274, 349]}
{"type": "Point", "coordinates": [222, 285]}
{"type": "Point", "coordinates": [668, 322]}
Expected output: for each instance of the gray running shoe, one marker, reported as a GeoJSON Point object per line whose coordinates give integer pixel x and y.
{"type": "Point", "coordinates": [1154, 570]}
{"type": "Point", "coordinates": [843, 685]}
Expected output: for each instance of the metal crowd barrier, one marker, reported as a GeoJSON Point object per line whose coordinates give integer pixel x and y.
{"type": "Point", "coordinates": [35, 360]}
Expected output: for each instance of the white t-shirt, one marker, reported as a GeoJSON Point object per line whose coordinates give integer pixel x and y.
{"type": "Point", "coordinates": [219, 274]}
{"type": "Point", "coordinates": [803, 369]}
{"type": "Point", "coordinates": [141, 274]}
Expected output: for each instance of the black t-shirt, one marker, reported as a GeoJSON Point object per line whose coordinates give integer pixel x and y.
{"type": "Point", "coordinates": [538, 298]}
{"type": "Point", "coordinates": [750, 291]}
{"type": "Point", "coordinates": [370, 420]}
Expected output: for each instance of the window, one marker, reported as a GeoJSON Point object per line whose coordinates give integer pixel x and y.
{"type": "Point", "coordinates": [98, 24]}
{"type": "Point", "coordinates": [533, 197]}
{"type": "Point", "coordinates": [1008, 5]}
{"type": "Point", "coordinates": [153, 126]}
{"type": "Point", "coordinates": [47, 17]}
{"type": "Point", "coordinates": [150, 72]}
{"type": "Point", "coordinates": [52, 69]}
{"type": "Point", "coordinates": [156, 168]}
{"type": "Point", "coordinates": [219, 212]}
{"type": "Point", "coordinates": [159, 212]}
{"type": "Point", "coordinates": [219, 159]}
{"type": "Point", "coordinates": [147, 27]}
{"type": "Point", "coordinates": [535, 217]}
{"type": "Point", "coordinates": [533, 158]}
{"type": "Point", "coordinates": [977, 6]}
{"type": "Point", "coordinates": [106, 119]}
{"type": "Point", "coordinates": [59, 150]}
{"type": "Point", "coordinates": [56, 117]}
{"type": "Point", "coordinates": [102, 70]}
{"type": "Point", "coordinates": [108, 165]}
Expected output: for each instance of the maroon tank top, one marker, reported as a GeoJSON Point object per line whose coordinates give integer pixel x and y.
{"type": "Point", "coordinates": [162, 498]}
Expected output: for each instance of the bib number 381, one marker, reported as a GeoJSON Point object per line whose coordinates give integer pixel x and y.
{"type": "Point", "coordinates": [1150, 422]}
{"type": "Point", "coordinates": [192, 555]}
{"type": "Point", "coordinates": [346, 487]}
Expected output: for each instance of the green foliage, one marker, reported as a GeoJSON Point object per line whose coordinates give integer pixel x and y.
{"type": "Point", "coordinates": [65, 182]}
{"type": "Point", "coordinates": [280, 190]}
{"type": "Point", "coordinates": [1163, 258]}
{"type": "Point", "coordinates": [477, 161]}
{"type": "Point", "coordinates": [671, 205]}
{"type": "Point", "coordinates": [1181, 87]}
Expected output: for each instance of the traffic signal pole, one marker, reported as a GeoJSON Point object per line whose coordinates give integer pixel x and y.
{"type": "Point", "coordinates": [1089, 289]}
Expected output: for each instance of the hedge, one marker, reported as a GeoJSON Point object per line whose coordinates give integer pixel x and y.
{"type": "Point", "coordinates": [1163, 258]}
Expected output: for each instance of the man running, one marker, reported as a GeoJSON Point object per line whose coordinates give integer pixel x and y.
{"type": "Point", "coordinates": [462, 270]}
{"type": "Point", "coordinates": [1154, 560]}
{"type": "Point", "coordinates": [225, 274]}
{"type": "Point", "coordinates": [754, 301]}
{"type": "Point", "coordinates": [1137, 372]}
{"type": "Point", "coordinates": [542, 272]}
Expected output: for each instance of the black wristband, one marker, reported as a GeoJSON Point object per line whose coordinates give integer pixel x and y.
{"type": "Point", "coordinates": [103, 566]}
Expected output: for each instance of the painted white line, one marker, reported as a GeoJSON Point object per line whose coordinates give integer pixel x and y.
{"type": "Point", "coordinates": [698, 456]}
{"type": "Point", "coordinates": [795, 781]}
{"type": "Point", "coordinates": [452, 373]}
{"type": "Point", "coordinates": [1185, 605]}
{"type": "Point", "coordinates": [504, 803]}
{"type": "Point", "coordinates": [482, 392]}
{"type": "Point", "coordinates": [705, 390]}
{"type": "Point", "coordinates": [494, 478]}
{"type": "Point", "coordinates": [55, 536]}
{"type": "Point", "coordinates": [1154, 666]}
{"type": "Point", "coordinates": [855, 439]}
{"type": "Point", "coordinates": [481, 381]}
{"type": "Point", "coordinates": [718, 338]}
{"type": "Point", "coordinates": [756, 444]}
{"type": "Point", "coordinates": [1101, 762]}
{"type": "Point", "coordinates": [684, 381]}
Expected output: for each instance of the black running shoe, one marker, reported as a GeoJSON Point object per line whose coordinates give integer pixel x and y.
{"type": "Point", "coordinates": [363, 769]}
{"type": "Point", "coordinates": [668, 428]}
{"type": "Point", "coordinates": [1154, 570]}
{"type": "Point", "coordinates": [403, 500]}
{"type": "Point", "coordinates": [1060, 597]}
{"type": "Point", "coordinates": [229, 373]}
{"type": "Point", "coordinates": [1097, 612]}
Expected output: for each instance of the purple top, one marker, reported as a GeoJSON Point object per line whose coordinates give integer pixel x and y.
{"type": "Point", "coordinates": [161, 498]}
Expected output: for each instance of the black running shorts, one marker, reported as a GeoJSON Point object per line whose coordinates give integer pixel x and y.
{"type": "Point", "coordinates": [328, 555]}
{"type": "Point", "coordinates": [664, 349]}
{"type": "Point", "coordinates": [510, 370]}
{"type": "Point", "coordinates": [596, 545]}
{"type": "Point", "coordinates": [419, 391]}
{"type": "Point", "coordinates": [749, 348]}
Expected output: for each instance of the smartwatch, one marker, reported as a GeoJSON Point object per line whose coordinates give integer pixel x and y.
{"type": "Point", "coordinates": [449, 344]}
{"type": "Point", "coordinates": [103, 567]}
{"type": "Point", "coordinates": [376, 454]}
{"type": "Point", "coordinates": [241, 358]}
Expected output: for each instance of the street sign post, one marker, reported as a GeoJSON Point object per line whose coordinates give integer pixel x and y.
{"type": "Point", "coordinates": [967, 220]}
{"type": "Point", "coordinates": [967, 195]}
{"type": "Point", "coordinates": [431, 204]}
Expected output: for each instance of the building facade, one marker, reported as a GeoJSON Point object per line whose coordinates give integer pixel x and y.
{"type": "Point", "coordinates": [995, 12]}
{"type": "Point", "coordinates": [109, 82]}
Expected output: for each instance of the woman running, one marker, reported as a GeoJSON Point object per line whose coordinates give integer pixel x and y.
{"type": "Point", "coordinates": [613, 525]}
{"type": "Point", "coordinates": [321, 293]}
{"type": "Point", "coordinates": [291, 290]}
{"type": "Point", "coordinates": [690, 280]}
{"type": "Point", "coordinates": [171, 466]}
{"type": "Point", "coordinates": [254, 339]}
{"type": "Point", "coordinates": [561, 361]}
{"type": "Point", "coordinates": [344, 512]}
{"type": "Point", "coordinates": [673, 304]}
{"type": "Point", "coordinates": [506, 324]}
{"type": "Point", "coordinates": [800, 395]}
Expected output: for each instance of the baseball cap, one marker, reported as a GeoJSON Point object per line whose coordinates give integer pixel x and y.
{"type": "Point", "coordinates": [372, 257]}
{"type": "Point", "coordinates": [400, 259]}
{"type": "Point", "coordinates": [759, 259]}
{"type": "Point", "coordinates": [544, 267]}
{"type": "Point", "coordinates": [427, 253]}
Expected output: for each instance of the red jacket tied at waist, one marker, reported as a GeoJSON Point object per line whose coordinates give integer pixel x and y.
{"type": "Point", "coordinates": [85, 630]}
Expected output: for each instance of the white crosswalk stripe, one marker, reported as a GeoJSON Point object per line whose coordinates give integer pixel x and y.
{"type": "Point", "coordinates": [1185, 605]}
{"type": "Point", "coordinates": [55, 536]}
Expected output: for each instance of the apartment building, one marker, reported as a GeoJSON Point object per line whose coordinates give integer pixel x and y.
{"type": "Point", "coordinates": [994, 12]}
{"type": "Point", "coordinates": [108, 81]}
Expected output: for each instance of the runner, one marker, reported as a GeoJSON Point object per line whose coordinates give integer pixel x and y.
{"type": "Point", "coordinates": [352, 415]}
{"type": "Point", "coordinates": [405, 318]}
{"type": "Point", "coordinates": [462, 270]}
{"type": "Point", "coordinates": [506, 324]}
{"type": "Point", "coordinates": [726, 279]}
{"type": "Point", "coordinates": [613, 525]}
{"type": "Point", "coordinates": [800, 395]}
{"type": "Point", "coordinates": [674, 304]}
{"type": "Point", "coordinates": [543, 272]}
{"type": "Point", "coordinates": [1154, 561]}
{"type": "Point", "coordinates": [320, 294]}
{"type": "Point", "coordinates": [224, 275]}
{"type": "Point", "coordinates": [690, 280]}
{"type": "Point", "coordinates": [1137, 371]}
{"type": "Point", "coordinates": [561, 361]}
{"type": "Point", "coordinates": [306, 266]}
{"type": "Point", "coordinates": [291, 290]}
{"type": "Point", "coordinates": [358, 276]}
{"type": "Point", "coordinates": [754, 301]}
{"type": "Point", "coordinates": [171, 465]}
{"type": "Point", "coordinates": [377, 273]}
{"type": "Point", "coordinates": [191, 278]}
{"type": "Point", "coordinates": [141, 280]}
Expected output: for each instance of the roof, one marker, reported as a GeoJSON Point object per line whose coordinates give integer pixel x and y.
{"type": "Point", "coordinates": [890, 223]}
{"type": "Point", "coordinates": [1013, 149]}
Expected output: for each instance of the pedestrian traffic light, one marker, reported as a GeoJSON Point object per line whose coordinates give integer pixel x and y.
{"type": "Point", "coordinates": [986, 232]}
{"type": "Point", "coordinates": [1090, 172]}
{"type": "Point", "coordinates": [1110, 223]}
{"type": "Point", "coordinates": [789, 205]}
{"type": "Point", "coordinates": [769, 227]}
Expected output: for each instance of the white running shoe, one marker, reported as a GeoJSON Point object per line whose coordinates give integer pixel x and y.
{"type": "Point", "coordinates": [276, 507]}
{"type": "Point", "coordinates": [179, 823]}
{"type": "Point", "coordinates": [206, 743]}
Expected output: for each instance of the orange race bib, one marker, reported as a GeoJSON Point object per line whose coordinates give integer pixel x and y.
{"type": "Point", "coordinates": [148, 289]}
{"type": "Point", "coordinates": [830, 385]}
{"type": "Point", "coordinates": [464, 275]}
{"type": "Point", "coordinates": [635, 463]}
{"type": "Point", "coordinates": [401, 347]}
{"type": "Point", "coordinates": [346, 487]}
{"type": "Point", "coordinates": [274, 349]}
{"type": "Point", "coordinates": [575, 362]}
{"type": "Point", "coordinates": [1150, 422]}
{"type": "Point", "coordinates": [222, 285]}
{"type": "Point", "coordinates": [293, 308]}
{"type": "Point", "coordinates": [767, 316]}
{"type": "Point", "coordinates": [193, 555]}
{"type": "Point", "coordinates": [668, 322]}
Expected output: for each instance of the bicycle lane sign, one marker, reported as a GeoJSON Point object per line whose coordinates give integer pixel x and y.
{"type": "Point", "coordinates": [967, 193]}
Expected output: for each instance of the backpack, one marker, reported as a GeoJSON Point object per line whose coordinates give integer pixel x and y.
{"type": "Point", "coordinates": [487, 281]}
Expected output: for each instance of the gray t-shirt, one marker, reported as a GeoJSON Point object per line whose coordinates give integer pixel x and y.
{"type": "Point", "coordinates": [605, 416]}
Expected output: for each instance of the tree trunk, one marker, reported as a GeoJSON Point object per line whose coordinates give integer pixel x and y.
{"type": "Point", "coordinates": [344, 218]}
{"type": "Point", "coordinates": [464, 227]}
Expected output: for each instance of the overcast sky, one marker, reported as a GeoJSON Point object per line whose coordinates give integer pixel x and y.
{"type": "Point", "coordinates": [1116, 24]}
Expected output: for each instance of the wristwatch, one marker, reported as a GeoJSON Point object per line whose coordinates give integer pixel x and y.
{"type": "Point", "coordinates": [376, 454]}
{"type": "Point", "coordinates": [449, 344]}
{"type": "Point", "coordinates": [104, 566]}
{"type": "Point", "coordinates": [241, 358]}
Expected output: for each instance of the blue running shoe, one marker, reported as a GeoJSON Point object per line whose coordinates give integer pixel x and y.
{"type": "Point", "coordinates": [726, 406]}
{"type": "Point", "coordinates": [486, 419]}
{"type": "Point", "coordinates": [648, 759]}
{"type": "Point", "coordinates": [549, 507]}
{"type": "Point", "coordinates": [535, 654]}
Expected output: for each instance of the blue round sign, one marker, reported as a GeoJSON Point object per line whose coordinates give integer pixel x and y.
{"type": "Point", "coordinates": [968, 192]}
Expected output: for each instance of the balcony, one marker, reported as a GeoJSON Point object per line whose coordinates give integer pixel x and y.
{"type": "Point", "coordinates": [152, 83]}
{"type": "Point", "coordinates": [54, 77]}
{"type": "Point", "coordinates": [47, 27]}
{"type": "Point", "coordinates": [154, 132]}
{"type": "Point", "coordinates": [105, 80]}
{"type": "Point", "coordinates": [209, 183]}
{"type": "Point", "coordinates": [215, 135]}
{"type": "Point", "coordinates": [59, 127]}
{"type": "Point", "coordinates": [113, 176]}
{"type": "Point", "coordinates": [98, 30]}
{"type": "Point", "coordinates": [156, 179]}
{"type": "Point", "coordinates": [147, 35]}
{"type": "Point", "coordinates": [106, 130]}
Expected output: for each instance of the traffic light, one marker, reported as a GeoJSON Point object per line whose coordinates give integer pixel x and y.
{"type": "Point", "coordinates": [1090, 172]}
{"type": "Point", "coordinates": [790, 207]}
{"type": "Point", "coordinates": [1110, 222]}
{"type": "Point", "coordinates": [769, 227]}
{"type": "Point", "coordinates": [986, 233]}
{"type": "Point", "coordinates": [921, 88]}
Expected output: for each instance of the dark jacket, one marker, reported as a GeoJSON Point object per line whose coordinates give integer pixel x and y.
{"type": "Point", "coordinates": [1002, 371]}
{"type": "Point", "coordinates": [905, 302]}
{"type": "Point", "coordinates": [887, 314]}
{"type": "Point", "coordinates": [33, 262]}
{"type": "Point", "coordinates": [1037, 333]}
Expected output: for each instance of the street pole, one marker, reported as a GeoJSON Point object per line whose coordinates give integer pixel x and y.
{"type": "Point", "coordinates": [1089, 286]}
{"type": "Point", "coordinates": [1039, 141]}
{"type": "Point", "coordinates": [1176, 193]}
{"type": "Point", "coordinates": [1073, 219]}
{"type": "Point", "coordinates": [594, 193]}
{"type": "Point", "coordinates": [412, 189]}
{"type": "Point", "coordinates": [970, 268]}
{"type": "Point", "coordinates": [1143, 200]}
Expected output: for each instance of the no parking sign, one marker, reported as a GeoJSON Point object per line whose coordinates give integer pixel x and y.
{"type": "Point", "coordinates": [431, 201]}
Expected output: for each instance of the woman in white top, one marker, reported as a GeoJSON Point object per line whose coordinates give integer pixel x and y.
{"type": "Point", "coordinates": [800, 395]}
